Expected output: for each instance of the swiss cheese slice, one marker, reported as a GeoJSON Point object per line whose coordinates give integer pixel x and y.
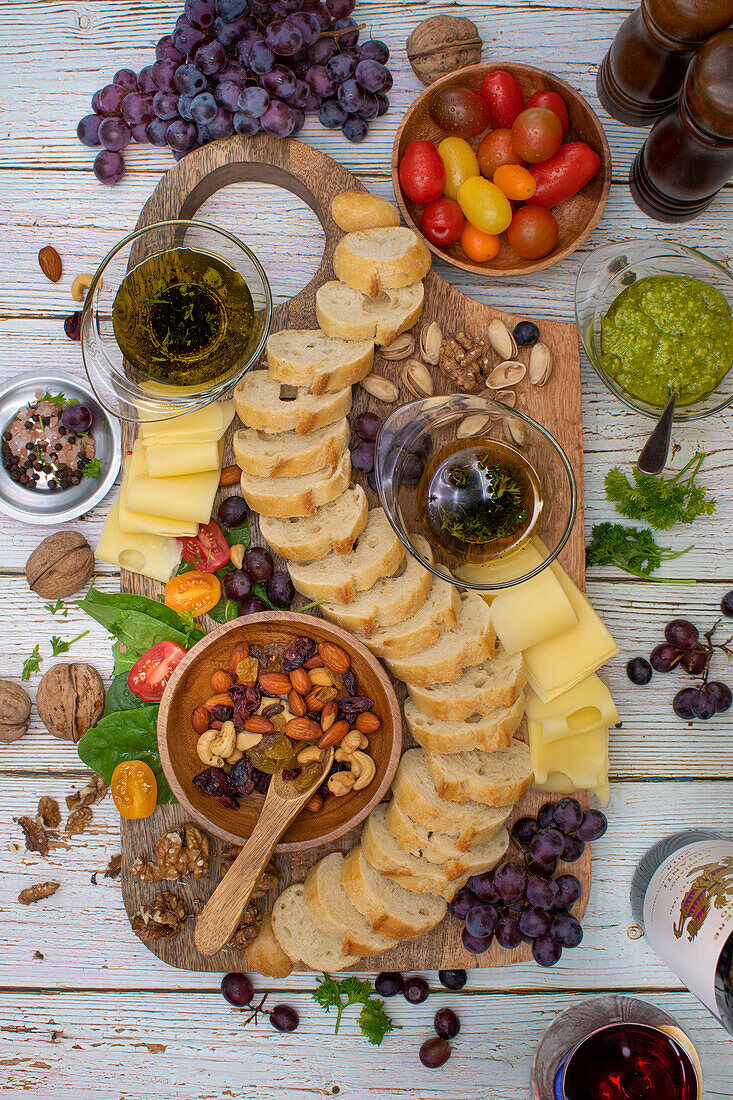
{"type": "Point", "coordinates": [583, 758]}
{"type": "Point", "coordinates": [502, 569]}
{"type": "Point", "coordinates": [137, 523]}
{"type": "Point", "coordinates": [532, 612]}
{"type": "Point", "coordinates": [584, 707]}
{"type": "Point", "coordinates": [558, 783]}
{"type": "Point", "coordinates": [204, 426]}
{"type": "Point", "coordinates": [179, 459]}
{"type": "Point", "coordinates": [187, 498]}
{"type": "Point", "coordinates": [151, 555]}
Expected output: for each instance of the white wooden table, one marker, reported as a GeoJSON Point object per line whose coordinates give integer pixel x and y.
{"type": "Point", "coordinates": [85, 1009]}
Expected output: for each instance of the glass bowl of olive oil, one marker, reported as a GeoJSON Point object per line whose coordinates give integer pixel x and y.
{"type": "Point", "coordinates": [175, 315]}
{"type": "Point", "coordinates": [482, 495]}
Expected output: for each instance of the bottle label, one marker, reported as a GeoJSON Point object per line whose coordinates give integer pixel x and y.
{"type": "Point", "coordinates": [688, 913]}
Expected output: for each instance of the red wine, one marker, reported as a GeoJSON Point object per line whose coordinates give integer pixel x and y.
{"type": "Point", "coordinates": [627, 1062]}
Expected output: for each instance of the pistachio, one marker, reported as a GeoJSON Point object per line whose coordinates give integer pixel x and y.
{"type": "Point", "coordinates": [431, 341]}
{"type": "Point", "coordinates": [381, 388]}
{"type": "Point", "coordinates": [540, 364]}
{"type": "Point", "coordinates": [417, 378]}
{"type": "Point", "coordinates": [502, 340]}
{"type": "Point", "coordinates": [514, 431]}
{"type": "Point", "coordinates": [473, 425]}
{"type": "Point", "coordinates": [506, 374]}
{"type": "Point", "coordinates": [401, 347]}
{"type": "Point", "coordinates": [80, 286]}
{"type": "Point", "coordinates": [505, 397]}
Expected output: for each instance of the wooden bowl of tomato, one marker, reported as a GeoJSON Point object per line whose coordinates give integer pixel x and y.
{"type": "Point", "coordinates": [544, 140]}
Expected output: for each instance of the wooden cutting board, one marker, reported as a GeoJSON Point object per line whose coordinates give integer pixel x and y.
{"type": "Point", "coordinates": [316, 178]}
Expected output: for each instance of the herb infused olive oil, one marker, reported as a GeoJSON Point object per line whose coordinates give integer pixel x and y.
{"type": "Point", "coordinates": [184, 318]}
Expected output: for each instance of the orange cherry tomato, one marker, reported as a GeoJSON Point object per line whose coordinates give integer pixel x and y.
{"type": "Point", "coordinates": [193, 592]}
{"type": "Point", "coordinates": [516, 182]}
{"type": "Point", "coordinates": [134, 789]}
{"type": "Point", "coordinates": [479, 246]}
{"type": "Point", "coordinates": [553, 101]}
{"type": "Point", "coordinates": [532, 232]}
{"type": "Point", "coordinates": [495, 149]}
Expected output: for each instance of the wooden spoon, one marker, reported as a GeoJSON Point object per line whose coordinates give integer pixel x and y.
{"type": "Point", "coordinates": [223, 911]}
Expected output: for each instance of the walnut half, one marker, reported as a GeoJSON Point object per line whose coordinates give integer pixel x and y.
{"type": "Point", "coordinates": [162, 919]}
{"type": "Point", "coordinates": [182, 851]}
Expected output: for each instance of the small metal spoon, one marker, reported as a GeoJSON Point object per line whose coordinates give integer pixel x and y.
{"type": "Point", "coordinates": [653, 457]}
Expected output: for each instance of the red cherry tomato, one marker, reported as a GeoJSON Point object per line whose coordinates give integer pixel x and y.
{"type": "Point", "coordinates": [422, 172]}
{"type": "Point", "coordinates": [532, 232]}
{"type": "Point", "coordinates": [554, 102]}
{"type": "Point", "coordinates": [208, 550]}
{"type": "Point", "coordinates": [149, 675]}
{"type": "Point", "coordinates": [536, 134]}
{"type": "Point", "coordinates": [459, 111]}
{"type": "Point", "coordinates": [562, 176]}
{"type": "Point", "coordinates": [503, 97]}
{"type": "Point", "coordinates": [494, 150]}
{"type": "Point", "coordinates": [442, 222]}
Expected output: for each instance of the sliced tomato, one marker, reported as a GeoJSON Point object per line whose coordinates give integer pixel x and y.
{"type": "Point", "coordinates": [149, 675]}
{"type": "Point", "coordinates": [193, 592]}
{"type": "Point", "coordinates": [208, 550]}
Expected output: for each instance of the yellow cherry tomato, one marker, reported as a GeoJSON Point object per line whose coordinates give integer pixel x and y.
{"type": "Point", "coordinates": [134, 789]}
{"type": "Point", "coordinates": [484, 205]}
{"type": "Point", "coordinates": [479, 246]}
{"type": "Point", "coordinates": [193, 592]}
{"type": "Point", "coordinates": [516, 182]}
{"type": "Point", "coordinates": [460, 163]}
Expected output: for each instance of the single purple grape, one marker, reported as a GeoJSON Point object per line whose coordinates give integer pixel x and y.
{"type": "Point", "coordinates": [507, 933]}
{"type": "Point", "coordinates": [534, 922]}
{"type": "Point", "coordinates": [76, 418]}
{"type": "Point", "coordinates": [355, 129]}
{"type": "Point", "coordinates": [446, 1023]}
{"type": "Point", "coordinates": [566, 931]}
{"type": "Point", "coordinates": [568, 814]}
{"type": "Point", "coordinates": [227, 95]}
{"type": "Point", "coordinates": [298, 120]}
{"type": "Point", "coordinates": [284, 1018]}
{"type": "Point", "coordinates": [569, 889]}
{"type": "Point", "coordinates": [185, 103]}
{"type": "Point", "coordinates": [109, 100]}
{"type": "Point", "coordinates": [546, 815]}
{"type": "Point", "coordinates": [261, 58]}
{"type": "Point", "coordinates": [88, 130]}
{"type": "Point", "coordinates": [476, 945]}
{"type": "Point", "coordinates": [189, 81]}
{"type": "Point", "coordinates": [280, 590]}
{"type": "Point", "coordinates": [251, 606]}
{"type": "Point", "coordinates": [283, 37]}
{"type": "Point", "coordinates": [253, 102]}
{"type": "Point", "coordinates": [165, 105]}
{"type": "Point", "coordinates": [389, 983]}
{"type": "Point", "coordinates": [307, 24]}
{"type": "Point", "coordinates": [126, 79]}
{"type": "Point", "coordinates": [339, 9]}
{"type": "Point", "coordinates": [340, 67]}
{"type": "Point", "coordinates": [435, 1052]}
{"type": "Point", "coordinates": [109, 167]}
{"type": "Point", "coordinates": [415, 989]}
{"type": "Point", "coordinates": [545, 951]}
{"type": "Point", "coordinates": [321, 52]}
{"type": "Point", "coordinates": [362, 457]}
{"type": "Point", "coordinates": [373, 76]}
{"type": "Point", "coordinates": [703, 704]}
{"type": "Point", "coordinates": [278, 119]}
{"type": "Point", "coordinates": [722, 695]}
{"type": "Point", "coordinates": [203, 108]}
{"type": "Point", "coordinates": [114, 134]}
{"type": "Point", "coordinates": [382, 104]}
{"type": "Point", "coordinates": [510, 880]}
{"type": "Point", "coordinates": [664, 657]}
{"type": "Point", "coordinates": [593, 825]}
{"type": "Point", "coordinates": [163, 74]}
{"type": "Point", "coordinates": [350, 96]}
{"type": "Point", "coordinates": [231, 9]}
{"type": "Point", "coordinates": [332, 117]}
{"type": "Point", "coordinates": [639, 671]}
{"type": "Point", "coordinates": [483, 886]}
{"type": "Point", "coordinates": [541, 891]}
{"type": "Point", "coordinates": [523, 830]}
{"type": "Point", "coordinates": [245, 124]}
{"type": "Point", "coordinates": [374, 50]}
{"type": "Point", "coordinates": [228, 33]}
{"type": "Point", "coordinates": [350, 37]}
{"type": "Point", "coordinates": [320, 11]}
{"type": "Point", "coordinates": [370, 107]}
{"type": "Point", "coordinates": [546, 845]}
{"type": "Point", "coordinates": [237, 989]}
{"type": "Point", "coordinates": [573, 850]}
{"type": "Point", "coordinates": [319, 81]}
{"type": "Point", "coordinates": [681, 633]}
{"type": "Point", "coordinates": [145, 81]}
{"type": "Point", "coordinates": [232, 512]}
{"type": "Point", "coordinates": [682, 703]}
{"type": "Point", "coordinates": [137, 107]}
{"type": "Point", "coordinates": [279, 82]}
{"type": "Point", "coordinates": [694, 660]}
{"type": "Point", "coordinates": [481, 921]}
{"type": "Point", "coordinates": [186, 39]}
{"type": "Point", "coordinates": [200, 13]}
{"type": "Point", "coordinates": [181, 135]}
{"type": "Point", "coordinates": [166, 51]}
{"type": "Point", "coordinates": [463, 900]}
{"type": "Point", "coordinates": [156, 132]}
{"type": "Point", "coordinates": [211, 58]}
{"type": "Point", "coordinates": [453, 979]}
{"type": "Point", "coordinates": [236, 585]}
{"type": "Point", "coordinates": [259, 564]}
{"type": "Point", "coordinates": [140, 131]}
{"type": "Point", "coordinates": [313, 103]}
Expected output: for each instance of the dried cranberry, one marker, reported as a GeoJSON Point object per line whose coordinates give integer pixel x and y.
{"type": "Point", "coordinates": [350, 708]}
{"type": "Point", "coordinates": [261, 780]}
{"type": "Point", "coordinates": [291, 773]}
{"type": "Point", "coordinates": [314, 716]}
{"type": "Point", "coordinates": [350, 682]}
{"type": "Point", "coordinates": [221, 713]}
{"type": "Point", "coordinates": [240, 777]}
{"type": "Point", "coordinates": [297, 652]}
{"type": "Point", "coordinates": [215, 783]}
{"type": "Point", "coordinates": [72, 325]}
{"type": "Point", "coordinates": [246, 701]}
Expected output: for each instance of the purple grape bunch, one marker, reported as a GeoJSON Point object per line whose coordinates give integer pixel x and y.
{"type": "Point", "coordinates": [244, 66]}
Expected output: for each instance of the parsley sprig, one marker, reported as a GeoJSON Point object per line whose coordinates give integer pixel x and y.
{"type": "Point", "coordinates": [373, 1020]}
{"type": "Point", "coordinates": [93, 468]}
{"type": "Point", "coordinates": [58, 645]}
{"type": "Point", "coordinates": [661, 502]}
{"type": "Point", "coordinates": [32, 663]}
{"type": "Point", "coordinates": [57, 608]}
{"type": "Point", "coordinates": [632, 549]}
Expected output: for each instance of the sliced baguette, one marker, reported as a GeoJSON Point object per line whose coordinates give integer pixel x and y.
{"type": "Point", "coordinates": [260, 405]}
{"type": "Point", "coordinates": [491, 778]}
{"type": "Point", "coordinates": [290, 454]}
{"type": "Point", "coordinates": [489, 733]}
{"type": "Point", "coordinates": [265, 955]}
{"type": "Point", "coordinates": [471, 642]}
{"type": "Point", "coordinates": [347, 314]}
{"type": "Point", "coordinates": [481, 689]}
{"type": "Point", "coordinates": [372, 260]}
{"type": "Point", "coordinates": [390, 600]}
{"type": "Point", "coordinates": [332, 527]}
{"type": "Point", "coordinates": [330, 909]}
{"type": "Point", "coordinates": [377, 553]}
{"type": "Point", "coordinates": [301, 939]}
{"type": "Point", "coordinates": [307, 357]}
{"type": "Point", "coordinates": [360, 210]}
{"type": "Point", "coordinates": [438, 614]}
{"type": "Point", "coordinates": [391, 910]}
{"type": "Point", "coordinates": [297, 496]}
{"type": "Point", "coordinates": [431, 844]}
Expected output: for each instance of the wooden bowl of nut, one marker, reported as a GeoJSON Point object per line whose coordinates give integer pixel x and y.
{"type": "Point", "coordinates": [257, 694]}
{"type": "Point", "coordinates": [575, 216]}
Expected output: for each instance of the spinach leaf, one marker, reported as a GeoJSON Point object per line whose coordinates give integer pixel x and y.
{"type": "Point", "coordinates": [129, 601]}
{"type": "Point", "coordinates": [123, 661]}
{"type": "Point", "coordinates": [236, 535]}
{"type": "Point", "coordinates": [125, 735]}
{"type": "Point", "coordinates": [119, 697]}
{"type": "Point", "coordinates": [224, 611]}
{"type": "Point", "coordinates": [114, 608]}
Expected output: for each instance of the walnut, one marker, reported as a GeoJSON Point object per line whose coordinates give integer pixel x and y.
{"type": "Point", "coordinates": [465, 360]}
{"type": "Point", "coordinates": [145, 870]}
{"type": "Point", "coordinates": [49, 812]}
{"type": "Point", "coordinates": [78, 820]}
{"type": "Point", "coordinates": [37, 892]}
{"type": "Point", "coordinates": [112, 870]}
{"type": "Point", "coordinates": [93, 792]}
{"type": "Point", "coordinates": [182, 851]}
{"type": "Point", "coordinates": [70, 700]}
{"type": "Point", "coordinates": [247, 930]}
{"type": "Point", "coordinates": [15, 711]}
{"type": "Point", "coordinates": [161, 919]}
{"type": "Point", "coordinates": [60, 565]}
{"type": "Point", "coordinates": [36, 837]}
{"type": "Point", "coordinates": [442, 44]}
{"type": "Point", "coordinates": [269, 876]}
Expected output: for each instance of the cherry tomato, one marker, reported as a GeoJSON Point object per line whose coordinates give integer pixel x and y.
{"type": "Point", "coordinates": [460, 163]}
{"type": "Point", "coordinates": [496, 149]}
{"type": "Point", "coordinates": [194, 592]}
{"type": "Point", "coordinates": [134, 789]}
{"type": "Point", "coordinates": [516, 182]}
{"type": "Point", "coordinates": [503, 97]}
{"type": "Point", "coordinates": [442, 222]}
{"type": "Point", "coordinates": [151, 672]}
{"type": "Point", "coordinates": [563, 175]}
{"type": "Point", "coordinates": [536, 134]}
{"type": "Point", "coordinates": [459, 111]}
{"type": "Point", "coordinates": [554, 102]}
{"type": "Point", "coordinates": [208, 550]}
{"type": "Point", "coordinates": [422, 172]}
{"type": "Point", "coordinates": [484, 205]}
{"type": "Point", "coordinates": [479, 246]}
{"type": "Point", "coordinates": [533, 232]}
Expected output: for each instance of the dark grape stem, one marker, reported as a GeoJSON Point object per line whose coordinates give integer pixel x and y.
{"type": "Point", "coordinates": [344, 30]}
{"type": "Point", "coordinates": [711, 646]}
{"type": "Point", "coordinates": [254, 1012]}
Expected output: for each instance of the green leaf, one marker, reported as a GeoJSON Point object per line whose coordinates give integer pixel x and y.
{"type": "Point", "coordinates": [631, 549]}
{"type": "Point", "coordinates": [129, 601]}
{"type": "Point", "coordinates": [374, 1021]}
{"type": "Point", "coordinates": [58, 645]}
{"type": "Point", "coordinates": [240, 534]}
{"type": "Point", "coordinates": [32, 663]}
{"type": "Point", "coordinates": [125, 735]}
{"type": "Point", "coordinates": [224, 611]}
{"type": "Point", "coordinates": [261, 591]}
{"type": "Point", "coordinates": [93, 468]}
{"type": "Point", "coordinates": [119, 697]}
{"type": "Point", "coordinates": [138, 622]}
{"type": "Point", "coordinates": [57, 608]}
{"type": "Point", "coordinates": [123, 661]}
{"type": "Point", "coordinates": [660, 501]}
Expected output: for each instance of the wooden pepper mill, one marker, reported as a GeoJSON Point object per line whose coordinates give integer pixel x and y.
{"type": "Point", "coordinates": [640, 76]}
{"type": "Point", "coordinates": [688, 155]}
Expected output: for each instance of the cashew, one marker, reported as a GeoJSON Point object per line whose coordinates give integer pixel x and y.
{"type": "Point", "coordinates": [225, 743]}
{"type": "Point", "coordinates": [350, 744]}
{"type": "Point", "coordinates": [310, 755]}
{"type": "Point", "coordinates": [248, 740]}
{"type": "Point", "coordinates": [80, 286]}
{"type": "Point", "coordinates": [236, 554]}
{"type": "Point", "coordinates": [340, 783]}
{"type": "Point", "coordinates": [364, 769]}
{"type": "Point", "coordinates": [204, 750]}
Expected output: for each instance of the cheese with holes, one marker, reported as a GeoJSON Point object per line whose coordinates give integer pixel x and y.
{"type": "Point", "coordinates": [137, 523]}
{"type": "Point", "coordinates": [151, 555]}
{"type": "Point", "coordinates": [583, 758]}
{"type": "Point", "coordinates": [189, 498]}
{"type": "Point", "coordinates": [178, 459]}
{"type": "Point", "coordinates": [204, 426]}
{"type": "Point", "coordinates": [584, 707]}
{"type": "Point", "coordinates": [532, 612]}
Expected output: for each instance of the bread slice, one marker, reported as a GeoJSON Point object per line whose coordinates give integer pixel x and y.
{"type": "Point", "coordinates": [390, 600]}
{"type": "Point", "coordinates": [391, 910]}
{"type": "Point", "coordinates": [347, 314]}
{"type": "Point", "coordinates": [330, 909]}
{"type": "Point", "coordinates": [431, 844]}
{"type": "Point", "coordinates": [491, 778]}
{"type": "Point", "coordinates": [307, 357]}
{"type": "Point", "coordinates": [268, 406]}
{"type": "Point", "coordinates": [413, 788]}
{"type": "Point", "coordinates": [481, 689]}
{"type": "Point", "coordinates": [437, 614]}
{"type": "Point", "coordinates": [372, 260]}
{"type": "Point", "coordinates": [360, 210]}
{"type": "Point", "coordinates": [301, 939]}
{"type": "Point", "coordinates": [377, 553]}
{"type": "Point", "coordinates": [290, 454]}
{"type": "Point", "coordinates": [471, 642]}
{"type": "Point", "coordinates": [332, 527]}
{"type": "Point", "coordinates": [297, 496]}
{"type": "Point", "coordinates": [418, 874]}
{"type": "Point", "coordinates": [265, 955]}
{"type": "Point", "coordinates": [489, 733]}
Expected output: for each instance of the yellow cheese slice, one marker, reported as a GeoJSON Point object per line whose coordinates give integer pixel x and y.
{"type": "Point", "coordinates": [559, 783]}
{"type": "Point", "coordinates": [183, 498]}
{"type": "Point", "coordinates": [178, 459]}
{"type": "Point", "coordinates": [151, 555]}
{"type": "Point", "coordinates": [532, 612]}
{"type": "Point", "coordinates": [503, 569]}
{"type": "Point", "coordinates": [583, 758]}
{"type": "Point", "coordinates": [137, 523]}
{"type": "Point", "coordinates": [204, 426]}
{"type": "Point", "coordinates": [584, 707]}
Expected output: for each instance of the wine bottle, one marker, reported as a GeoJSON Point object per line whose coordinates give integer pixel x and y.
{"type": "Point", "coordinates": [682, 896]}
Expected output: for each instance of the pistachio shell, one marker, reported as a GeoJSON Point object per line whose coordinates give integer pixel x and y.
{"type": "Point", "coordinates": [540, 364]}
{"type": "Point", "coordinates": [506, 374]}
{"type": "Point", "coordinates": [417, 378]}
{"type": "Point", "coordinates": [381, 388]}
{"type": "Point", "coordinates": [473, 425]}
{"type": "Point", "coordinates": [514, 430]}
{"type": "Point", "coordinates": [505, 397]}
{"type": "Point", "coordinates": [431, 341]}
{"type": "Point", "coordinates": [502, 340]}
{"type": "Point", "coordinates": [401, 347]}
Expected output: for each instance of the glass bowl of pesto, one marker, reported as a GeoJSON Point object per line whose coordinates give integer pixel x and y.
{"type": "Point", "coordinates": [175, 315]}
{"type": "Point", "coordinates": [654, 317]}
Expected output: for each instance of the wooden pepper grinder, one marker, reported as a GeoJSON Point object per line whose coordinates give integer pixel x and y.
{"type": "Point", "coordinates": [688, 155]}
{"type": "Point", "coordinates": [640, 76]}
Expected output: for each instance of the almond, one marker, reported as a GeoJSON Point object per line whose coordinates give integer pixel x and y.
{"type": "Point", "coordinates": [50, 263]}
{"type": "Point", "coordinates": [317, 699]}
{"type": "Point", "coordinates": [229, 475]}
{"type": "Point", "coordinates": [334, 657]}
{"type": "Point", "coordinates": [240, 652]}
{"type": "Point", "coordinates": [296, 703]}
{"type": "Point", "coordinates": [302, 729]}
{"type": "Point", "coordinates": [275, 683]}
{"type": "Point", "coordinates": [367, 722]}
{"type": "Point", "coordinates": [257, 723]}
{"type": "Point", "coordinates": [328, 715]}
{"type": "Point", "coordinates": [301, 681]}
{"type": "Point", "coordinates": [313, 662]}
{"type": "Point", "coordinates": [314, 805]}
{"type": "Point", "coordinates": [221, 680]}
{"type": "Point", "coordinates": [201, 720]}
{"type": "Point", "coordinates": [334, 735]}
{"type": "Point", "coordinates": [218, 700]}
